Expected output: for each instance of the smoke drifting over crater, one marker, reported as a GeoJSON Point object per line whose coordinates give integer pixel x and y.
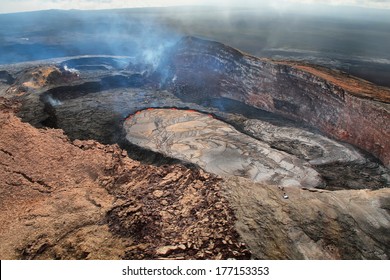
{"type": "Point", "coordinates": [352, 39]}
{"type": "Point", "coordinates": [69, 33]}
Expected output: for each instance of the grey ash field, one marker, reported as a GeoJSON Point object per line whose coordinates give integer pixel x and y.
{"type": "Point", "coordinates": [124, 136]}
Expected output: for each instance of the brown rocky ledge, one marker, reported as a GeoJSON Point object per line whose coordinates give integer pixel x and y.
{"type": "Point", "coordinates": [84, 200]}
{"type": "Point", "coordinates": [37, 77]}
{"type": "Point", "coordinates": [353, 85]}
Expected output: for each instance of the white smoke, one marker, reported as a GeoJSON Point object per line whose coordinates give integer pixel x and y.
{"type": "Point", "coordinates": [53, 102]}
{"type": "Point", "coordinates": [153, 56]}
{"type": "Point", "coordinates": [71, 70]}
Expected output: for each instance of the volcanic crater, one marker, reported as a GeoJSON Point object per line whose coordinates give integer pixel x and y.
{"type": "Point", "coordinates": [252, 158]}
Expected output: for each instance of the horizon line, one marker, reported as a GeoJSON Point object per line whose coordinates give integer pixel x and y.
{"type": "Point", "coordinates": [201, 6]}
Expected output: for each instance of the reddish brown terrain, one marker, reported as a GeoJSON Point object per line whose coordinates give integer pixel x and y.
{"type": "Point", "coordinates": [84, 200]}
{"type": "Point", "coordinates": [352, 84]}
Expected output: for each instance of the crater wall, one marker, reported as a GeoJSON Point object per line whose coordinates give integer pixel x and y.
{"type": "Point", "coordinates": [344, 107]}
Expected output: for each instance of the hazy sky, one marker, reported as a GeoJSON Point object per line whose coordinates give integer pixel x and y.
{"type": "Point", "coordinates": [9, 6]}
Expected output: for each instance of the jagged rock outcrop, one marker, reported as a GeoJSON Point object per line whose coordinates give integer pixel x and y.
{"type": "Point", "coordinates": [344, 107]}
{"type": "Point", "coordinates": [85, 200]}
{"type": "Point", "coordinates": [38, 77]}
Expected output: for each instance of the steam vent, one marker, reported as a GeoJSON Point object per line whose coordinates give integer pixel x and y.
{"type": "Point", "coordinates": [206, 153]}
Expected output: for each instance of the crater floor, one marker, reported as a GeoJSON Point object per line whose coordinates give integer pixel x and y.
{"type": "Point", "coordinates": [258, 154]}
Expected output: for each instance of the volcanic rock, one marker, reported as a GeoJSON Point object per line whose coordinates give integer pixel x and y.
{"type": "Point", "coordinates": [329, 157]}
{"type": "Point", "coordinates": [166, 250]}
{"type": "Point", "coordinates": [38, 77]}
{"type": "Point", "coordinates": [347, 108]}
{"type": "Point", "coordinates": [85, 200]}
{"type": "Point", "coordinates": [99, 204]}
{"type": "Point", "coordinates": [311, 224]}
{"type": "Point", "coordinates": [64, 195]}
{"type": "Point", "coordinates": [217, 147]}
{"type": "Point", "coordinates": [95, 103]}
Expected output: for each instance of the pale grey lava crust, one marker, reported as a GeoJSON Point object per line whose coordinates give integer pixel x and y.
{"type": "Point", "coordinates": [217, 147]}
{"type": "Point", "coordinates": [221, 149]}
